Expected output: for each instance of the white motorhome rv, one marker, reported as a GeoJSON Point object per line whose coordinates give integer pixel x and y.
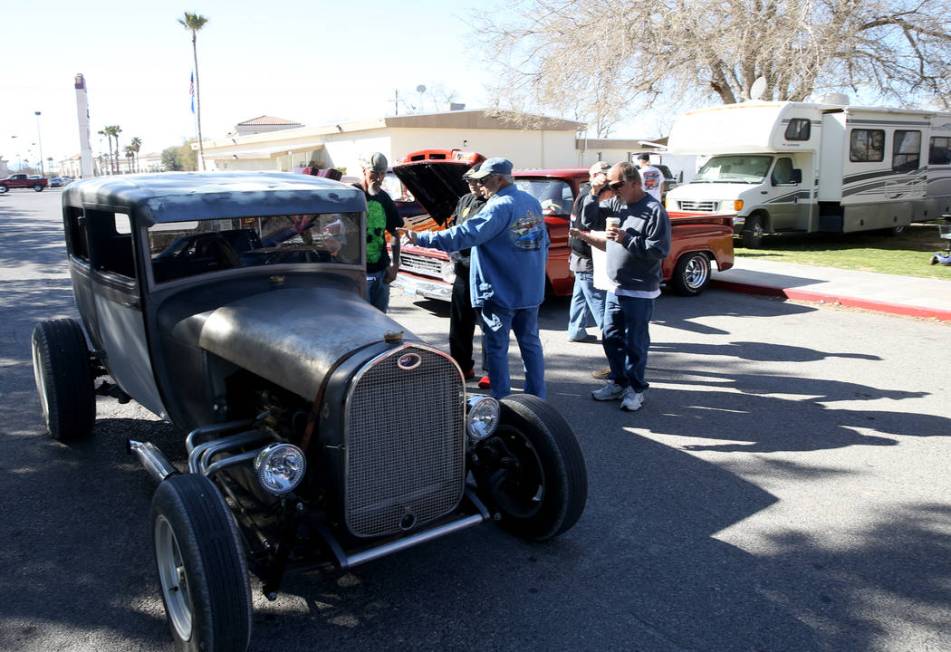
{"type": "Point", "coordinates": [799, 167]}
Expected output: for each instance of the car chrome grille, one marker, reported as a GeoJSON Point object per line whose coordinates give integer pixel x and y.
{"type": "Point", "coordinates": [705, 206]}
{"type": "Point", "coordinates": [422, 265]}
{"type": "Point", "coordinates": [405, 439]}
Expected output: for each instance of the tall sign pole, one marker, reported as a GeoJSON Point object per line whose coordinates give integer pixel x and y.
{"type": "Point", "coordinates": [82, 112]}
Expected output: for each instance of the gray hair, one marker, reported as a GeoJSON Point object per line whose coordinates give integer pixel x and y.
{"type": "Point", "coordinates": [628, 171]}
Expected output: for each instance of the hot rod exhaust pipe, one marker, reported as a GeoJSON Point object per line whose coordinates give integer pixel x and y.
{"type": "Point", "coordinates": [154, 461]}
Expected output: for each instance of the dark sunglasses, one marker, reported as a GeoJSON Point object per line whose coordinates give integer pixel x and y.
{"type": "Point", "coordinates": [617, 185]}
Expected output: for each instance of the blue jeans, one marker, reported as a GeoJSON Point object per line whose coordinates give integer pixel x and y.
{"type": "Point", "coordinates": [496, 324]}
{"type": "Point", "coordinates": [627, 339]}
{"type": "Point", "coordinates": [378, 292]}
{"type": "Point", "coordinates": [586, 302]}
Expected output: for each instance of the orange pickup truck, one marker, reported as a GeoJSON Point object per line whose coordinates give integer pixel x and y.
{"type": "Point", "coordinates": [435, 178]}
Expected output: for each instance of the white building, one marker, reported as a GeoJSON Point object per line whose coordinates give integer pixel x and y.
{"type": "Point", "coordinates": [528, 141]}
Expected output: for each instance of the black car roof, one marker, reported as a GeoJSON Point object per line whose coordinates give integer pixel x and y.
{"type": "Point", "coordinates": [178, 196]}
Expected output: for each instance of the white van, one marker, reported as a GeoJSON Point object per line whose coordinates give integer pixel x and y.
{"type": "Point", "coordinates": [796, 167]}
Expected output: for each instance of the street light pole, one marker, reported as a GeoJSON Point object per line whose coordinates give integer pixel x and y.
{"type": "Point", "coordinates": [39, 140]}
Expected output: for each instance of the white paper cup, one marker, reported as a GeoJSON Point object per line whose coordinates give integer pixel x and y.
{"type": "Point", "coordinates": [613, 222]}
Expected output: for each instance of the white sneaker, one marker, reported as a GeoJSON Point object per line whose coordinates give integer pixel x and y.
{"type": "Point", "coordinates": [631, 400]}
{"type": "Point", "coordinates": [610, 392]}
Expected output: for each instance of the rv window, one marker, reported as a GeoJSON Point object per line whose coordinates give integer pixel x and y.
{"type": "Point", "coordinates": [798, 129]}
{"type": "Point", "coordinates": [906, 150]}
{"type": "Point", "coordinates": [940, 153]}
{"type": "Point", "coordinates": [867, 146]}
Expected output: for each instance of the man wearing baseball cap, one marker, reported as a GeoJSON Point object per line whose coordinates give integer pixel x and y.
{"type": "Point", "coordinates": [382, 217]}
{"type": "Point", "coordinates": [509, 244]}
{"type": "Point", "coordinates": [587, 301]}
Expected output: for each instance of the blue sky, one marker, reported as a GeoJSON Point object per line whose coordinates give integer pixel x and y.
{"type": "Point", "coordinates": [314, 62]}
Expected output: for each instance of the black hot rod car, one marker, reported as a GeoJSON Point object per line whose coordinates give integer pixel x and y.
{"type": "Point", "coordinates": [319, 432]}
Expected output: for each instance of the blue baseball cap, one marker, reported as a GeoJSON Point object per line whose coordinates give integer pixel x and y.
{"type": "Point", "coordinates": [493, 166]}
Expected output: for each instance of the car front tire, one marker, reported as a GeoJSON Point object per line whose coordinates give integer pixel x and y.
{"type": "Point", "coordinates": [691, 274]}
{"type": "Point", "coordinates": [753, 231]}
{"type": "Point", "coordinates": [543, 490]}
{"type": "Point", "coordinates": [64, 379]}
{"type": "Point", "coordinates": [202, 569]}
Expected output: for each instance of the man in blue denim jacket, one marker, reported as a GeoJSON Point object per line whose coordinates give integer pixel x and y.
{"type": "Point", "coordinates": [509, 244]}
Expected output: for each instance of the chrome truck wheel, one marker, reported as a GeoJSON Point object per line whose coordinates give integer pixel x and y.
{"type": "Point", "coordinates": [691, 274]}
{"type": "Point", "coordinates": [201, 566]}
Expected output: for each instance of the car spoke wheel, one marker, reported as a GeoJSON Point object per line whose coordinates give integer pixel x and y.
{"type": "Point", "coordinates": [692, 274]}
{"type": "Point", "coordinates": [753, 233]}
{"type": "Point", "coordinates": [64, 379]}
{"type": "Point", "coordinates": [541, 486]}
{"type": "Point", "coordinates": [201, 566]}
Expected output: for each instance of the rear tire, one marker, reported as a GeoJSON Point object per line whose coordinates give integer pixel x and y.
{"type": "Point", "coordinates": [3, 189]}
{"type": "Point", "coordinates": [202, 569]}
{"type": "Point", "coordinates": [753, 232]}
{"type": "Point", "coordinates": [546, 494]}
{"type": "Point", "coordinates": [38, 188]}
{"type": "Point", "coordinates": [64, 379]}
{"type": "Point", "coordinates": [692, 274]}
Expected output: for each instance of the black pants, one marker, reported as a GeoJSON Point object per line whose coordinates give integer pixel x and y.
{"type": "Point", "coordinates": [462, 321]}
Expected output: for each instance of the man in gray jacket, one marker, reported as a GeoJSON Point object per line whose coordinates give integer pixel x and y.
{"type": "Point", "coordinates": [636, 242]}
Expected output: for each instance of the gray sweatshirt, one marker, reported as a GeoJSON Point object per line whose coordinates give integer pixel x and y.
{"type": "Point", "coordinates": [635, 262]}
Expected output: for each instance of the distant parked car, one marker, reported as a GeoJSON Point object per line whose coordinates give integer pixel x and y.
{"type": "Point", "coordinates": [57, 182]}
{"type": "Point", "coordinates": [22, 181]}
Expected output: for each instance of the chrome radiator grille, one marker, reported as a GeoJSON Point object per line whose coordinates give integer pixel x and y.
{"type": "Point", "coordinates": [405, 443]}
{"type": "Point", "coordinates": [422, 265]}
{"type": "Point", "coordinates": [707, 206]}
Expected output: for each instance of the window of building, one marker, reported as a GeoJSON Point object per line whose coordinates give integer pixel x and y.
{"type": "Point", "coordinates": [906, 150]}
{"type": "Point", "coordinates": [867, 145]}
{"type": "Point", "coordinates": [940, 151]}
{"type": "Point", "coordinates": [798, 129]}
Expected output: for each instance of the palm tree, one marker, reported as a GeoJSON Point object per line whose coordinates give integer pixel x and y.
{"type": "Point", "coordinates": [107, 132]}
{"type": "Point", "coordinates": [129, 156]}
{"type": "Point", "coordinates": [116, 130]}
{"type": "Point", "coordinates": [194, 23]}
{"type": "Point", "coordinates": [136, 145]}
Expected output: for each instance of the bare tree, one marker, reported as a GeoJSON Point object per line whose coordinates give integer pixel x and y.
{"type": "Point", "coordinates": [599, 61]}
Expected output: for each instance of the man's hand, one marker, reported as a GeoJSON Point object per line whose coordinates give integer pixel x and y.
{"type": "Point", "coordinates": [409, 234]}
{"type": "Point", "coordinates": [577, 234]}
{"type": "Point", "coordinates": [390, 274]}
{"type": "Point", "coordinates": [616, 234]}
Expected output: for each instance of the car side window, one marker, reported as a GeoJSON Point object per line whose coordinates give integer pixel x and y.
{"type": "Point", "coordinates": [782, 172]}
{"type": "Point", "coordinates": [76, 241]}
{"type": "Point", "coordinates": [110, 250]}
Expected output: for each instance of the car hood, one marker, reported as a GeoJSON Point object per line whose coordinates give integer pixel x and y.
{"type": "Point", "coordinates": [707, 191]}
{"type": "Point", "coordinates": [293, 337]}
{"type": "Point", "coordinates": [436, 185]}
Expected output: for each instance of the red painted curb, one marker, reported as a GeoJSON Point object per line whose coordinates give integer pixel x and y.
{"type": "Point", "coordinates": [819, 297]}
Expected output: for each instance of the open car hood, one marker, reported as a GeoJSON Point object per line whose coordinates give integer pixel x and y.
{"type": "Point", "coordinates": [437, 185]}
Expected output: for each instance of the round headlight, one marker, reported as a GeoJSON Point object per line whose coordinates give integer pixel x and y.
{"type": "Point", "coordinates": [280, 468]}
{"type": "Point", "coordinates": [482, 417]}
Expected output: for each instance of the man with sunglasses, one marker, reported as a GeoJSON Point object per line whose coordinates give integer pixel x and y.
{"type": "Point", "coordinates": [509, 244]}
{"type": "Point", "coordinates": [636, 242]}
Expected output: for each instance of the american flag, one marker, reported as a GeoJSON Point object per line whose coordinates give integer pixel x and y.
{"type": "Point", "coordinates": [191, 90]}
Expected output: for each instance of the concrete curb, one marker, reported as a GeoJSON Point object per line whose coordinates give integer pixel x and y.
{"type": "Point", "coordinates": [821, 297]}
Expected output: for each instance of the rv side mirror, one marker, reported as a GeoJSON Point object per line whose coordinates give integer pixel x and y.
{"type": "Point", "coordinates": [796, 176]}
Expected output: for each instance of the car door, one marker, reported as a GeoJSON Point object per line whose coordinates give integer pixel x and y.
{"type": "Point", "coordinates": [782, 202]}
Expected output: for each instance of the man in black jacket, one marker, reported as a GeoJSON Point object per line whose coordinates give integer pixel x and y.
{"type": "Point", "coordinates": [462, 316]}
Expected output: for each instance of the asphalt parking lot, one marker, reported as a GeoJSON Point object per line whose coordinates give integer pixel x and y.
{"type": "Point", "coordinates": [784, 488]}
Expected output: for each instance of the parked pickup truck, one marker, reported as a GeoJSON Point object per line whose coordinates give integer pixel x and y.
{"type": "Point", "coordinates": [435, 179]}
{"type": "Point", "coordinates": [22, 181]}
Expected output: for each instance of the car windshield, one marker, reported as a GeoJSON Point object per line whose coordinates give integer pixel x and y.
{"type": "Point", "coordinates": [554, 195]}
{"type": "Point", "coordinates": [183, 249]}
{"type": "Point", "coordinates": [734, 169]}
